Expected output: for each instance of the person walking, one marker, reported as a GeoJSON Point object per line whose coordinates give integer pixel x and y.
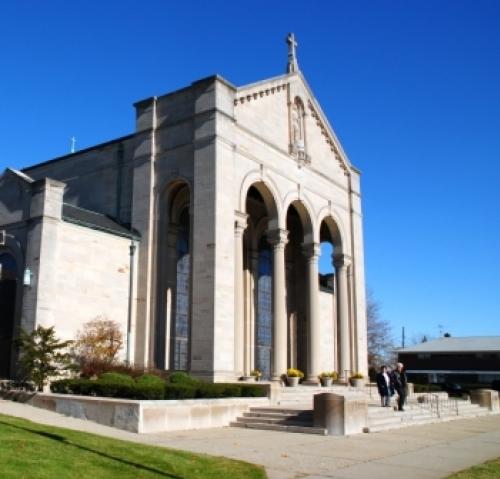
{"type": "Point", "coordinates": [400, 382]}
{"type": "Point", "coordinates": [384, 386]}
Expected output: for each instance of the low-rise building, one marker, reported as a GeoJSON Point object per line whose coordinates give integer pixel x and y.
{"type": "Point", "coordinates": [472, 360]}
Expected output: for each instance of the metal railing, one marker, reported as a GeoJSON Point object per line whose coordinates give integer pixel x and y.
{"type": "Point", "coordinates": [438, 406]}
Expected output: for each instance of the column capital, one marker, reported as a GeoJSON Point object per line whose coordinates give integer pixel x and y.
{"type": "Point", "coordinates": [341, 260]}
{"type": "Point", "coordinates": [277, 238]}
{"type": "Point", "coordinates": [312, 251]}
{"type": "Point", "coordinates": [240, 218]}
{"type": "Point", "coordinates": [240, 222]}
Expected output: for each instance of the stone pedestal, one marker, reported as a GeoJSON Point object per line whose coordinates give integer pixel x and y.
{"type": "Point", "coordinates": [339, 414]}
{"type": "Point", "coordinates": [485, 398]}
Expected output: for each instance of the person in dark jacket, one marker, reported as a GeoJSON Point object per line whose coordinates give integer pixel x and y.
{"type": "Point", "coordinates": [400, 383]}
{"type": "Point", "coordinates": [384, 386]}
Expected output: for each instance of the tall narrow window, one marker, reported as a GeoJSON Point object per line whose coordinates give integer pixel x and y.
{"type": "Point", "coordinates": [263, 330]}
{"type": "Point", "coordinates": [181, 333]}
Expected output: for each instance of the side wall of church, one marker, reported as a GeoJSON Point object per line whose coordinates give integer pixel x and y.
{"type": "Point", "coordinates": [90, 279]}
{"type": "Point", "coordinates": [98, 179]}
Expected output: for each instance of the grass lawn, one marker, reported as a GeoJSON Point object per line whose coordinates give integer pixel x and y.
{"type": "Point", "coordinates": [488, 470]}
{"type": "Point", "coordinates": [30, 450]}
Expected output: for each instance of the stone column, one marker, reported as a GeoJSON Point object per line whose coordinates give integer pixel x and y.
{"type": "Point", "coordinates": [312, 252]}
{"type": "Point", "coordinates": [341, 263]}
{"type": "Point", "coordinates": [252, 309]}
{"type": "Point", "coordinates": [240, 224]}
{"type": "Point", "coordinates": [170, 293]}
{"type": "Point", "coordinates": [278, 240]}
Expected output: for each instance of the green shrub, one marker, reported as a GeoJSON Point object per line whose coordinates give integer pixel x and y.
{"type": "Point", "coordinates": [150, 379]}
{"type": "Point", "coordinates": [107, 388]}
{"type": "Point", "coordinates": [251, 391]}
{"type": "Point", "coordinates": [179, 391]}
{"type": "Point", "coordinates": [180, 377]}
{"type": "Point", "coordinates": [60, 387]}
{"type": "Point", "coordinates": [218, 390]}
{"type": "Point", "coordinates": [151, 387]}
{"type": "Point", "coordinates": [116, 378]}
{"type": "Point", "coordinates": [149, 391]}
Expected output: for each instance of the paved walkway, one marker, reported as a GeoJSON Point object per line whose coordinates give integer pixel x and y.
{"type": "Point", "coordinates": [417, 452]}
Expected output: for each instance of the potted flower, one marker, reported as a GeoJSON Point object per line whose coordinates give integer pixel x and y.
{"type": "Point", "coordinates": [293, 376]}
{"type": "Point", "coordinates": [357, 380]}
{"type": "Point", "coordinates": [256, 374]}
{"type": "Point", "coordinates": [327, 377]}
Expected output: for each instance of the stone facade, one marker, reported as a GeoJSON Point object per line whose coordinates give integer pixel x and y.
{"type": "Point", "coordinates": [225, 195]}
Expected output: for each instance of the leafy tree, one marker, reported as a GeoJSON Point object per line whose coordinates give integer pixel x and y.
{"type": "Point", "coordinates": [42, 355]}
{"type": "Point", "coordinates": [380, 340]}
{"type": "Point", "coordinates": [97, 346]}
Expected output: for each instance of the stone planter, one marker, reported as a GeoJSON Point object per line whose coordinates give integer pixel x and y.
{"type": "Point", "coordinates": [292, 381]}
{"type": "Point", "coordinates": [326, 382]}
{"type": "Point", "coordinates": [356, 382]}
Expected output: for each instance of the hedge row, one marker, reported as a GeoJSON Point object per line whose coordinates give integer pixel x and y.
{"type": "Point", "coordinates": [149, 389]}
{"type": "Point", "coordinates": [106, 388]}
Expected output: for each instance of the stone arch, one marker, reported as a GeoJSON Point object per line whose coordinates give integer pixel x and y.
{"type": "Point", "coordinates": [169, 194]}
{"type": "Point", "coordinates": [334, 227]}
{"type": "Point", "coordinates": [305, 211]}
{"type": "Point", "coordinates": [269, 192]}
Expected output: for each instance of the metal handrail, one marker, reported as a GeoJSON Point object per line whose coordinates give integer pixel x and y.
{"type": "Point", "coordinates": [438, 406]}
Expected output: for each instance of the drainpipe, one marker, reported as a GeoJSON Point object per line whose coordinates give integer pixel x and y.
{"type": "Point", "coordinates": [130, 299]}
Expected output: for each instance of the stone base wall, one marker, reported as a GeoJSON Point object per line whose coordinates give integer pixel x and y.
{"type": "Point", "coordinates": [143, 416]}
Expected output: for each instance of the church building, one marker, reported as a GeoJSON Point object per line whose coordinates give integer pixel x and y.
{"type": "Point", "coordinates": [199, 233]}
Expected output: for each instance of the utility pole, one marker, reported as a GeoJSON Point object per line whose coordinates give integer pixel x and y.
{"type": "Point", "coordinates": [403, 337]}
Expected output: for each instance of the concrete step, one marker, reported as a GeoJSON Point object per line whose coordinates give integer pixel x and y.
{"type": "Point", "coordinates": [279, 410]}
{"type": "Point", "coordinates": [276, 415]}
{"type": "Point", "coordinates": [282, 428]}
{"type": "Point", "coordinates": [271, 420]}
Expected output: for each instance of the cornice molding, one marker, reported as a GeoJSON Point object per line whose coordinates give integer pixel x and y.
{"type": "Point", "coordinates": [329, 140]}
{"type": "Point", "coordinates": [270, 90]}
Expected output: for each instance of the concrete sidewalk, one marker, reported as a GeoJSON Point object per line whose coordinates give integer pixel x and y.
{"type": "Point", "coordinates": [417, 452]}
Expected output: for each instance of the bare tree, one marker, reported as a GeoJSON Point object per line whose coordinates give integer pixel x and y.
{"type": "Point", "coordinates": [380, 340]}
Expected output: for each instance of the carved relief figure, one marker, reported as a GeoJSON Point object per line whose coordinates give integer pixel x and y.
{"type": "Point", "coordinates": [298, 124]}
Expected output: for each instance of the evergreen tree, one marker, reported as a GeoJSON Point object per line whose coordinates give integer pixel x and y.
{"type": "Point", "coordinates": [42, 355]}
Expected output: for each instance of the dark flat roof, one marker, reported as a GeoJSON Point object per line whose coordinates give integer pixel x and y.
{"type": "Point", "coordinates": [449, 345]}
{"type": "Point", "coordinates": [97, 221]}
{"type": "Point", "coordinates": [78, 152]}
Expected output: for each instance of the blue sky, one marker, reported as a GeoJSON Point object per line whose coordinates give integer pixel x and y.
{"type": "Point", "coordinates": [412, 90]}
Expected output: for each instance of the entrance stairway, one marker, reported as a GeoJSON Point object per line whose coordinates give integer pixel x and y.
{"type": "Point", "coordinates": [294, 411]}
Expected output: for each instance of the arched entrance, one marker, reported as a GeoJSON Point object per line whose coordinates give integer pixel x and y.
{"type": "Point", "coordinates": [336, 280]}
{"type": "Point", "coordinates": [173, 325]}
{"type": "Point", "coordinates": [297, 252]}
{"type": "Point", "coordinates": [8, 289]}
{"type": "Point", "coordinates": [258, 280]}
{"type": "Point", "coordinates": [296, 291]}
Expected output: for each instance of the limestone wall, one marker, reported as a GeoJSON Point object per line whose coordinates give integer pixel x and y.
{"type": "Point", "coordinates": [90, 278]}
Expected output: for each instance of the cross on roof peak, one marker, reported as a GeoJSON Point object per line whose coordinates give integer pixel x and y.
{"type": "Point", "coordinates": [292, 65]}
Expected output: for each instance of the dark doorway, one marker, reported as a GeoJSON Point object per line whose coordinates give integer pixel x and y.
{"type": "Point", "coordinates": [8, 287]}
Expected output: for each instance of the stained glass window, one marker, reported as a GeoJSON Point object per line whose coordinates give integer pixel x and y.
{"type": "Point", "coordinates": [181, 342]}
{"type": "Point", "coordinates": [263, 330]}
